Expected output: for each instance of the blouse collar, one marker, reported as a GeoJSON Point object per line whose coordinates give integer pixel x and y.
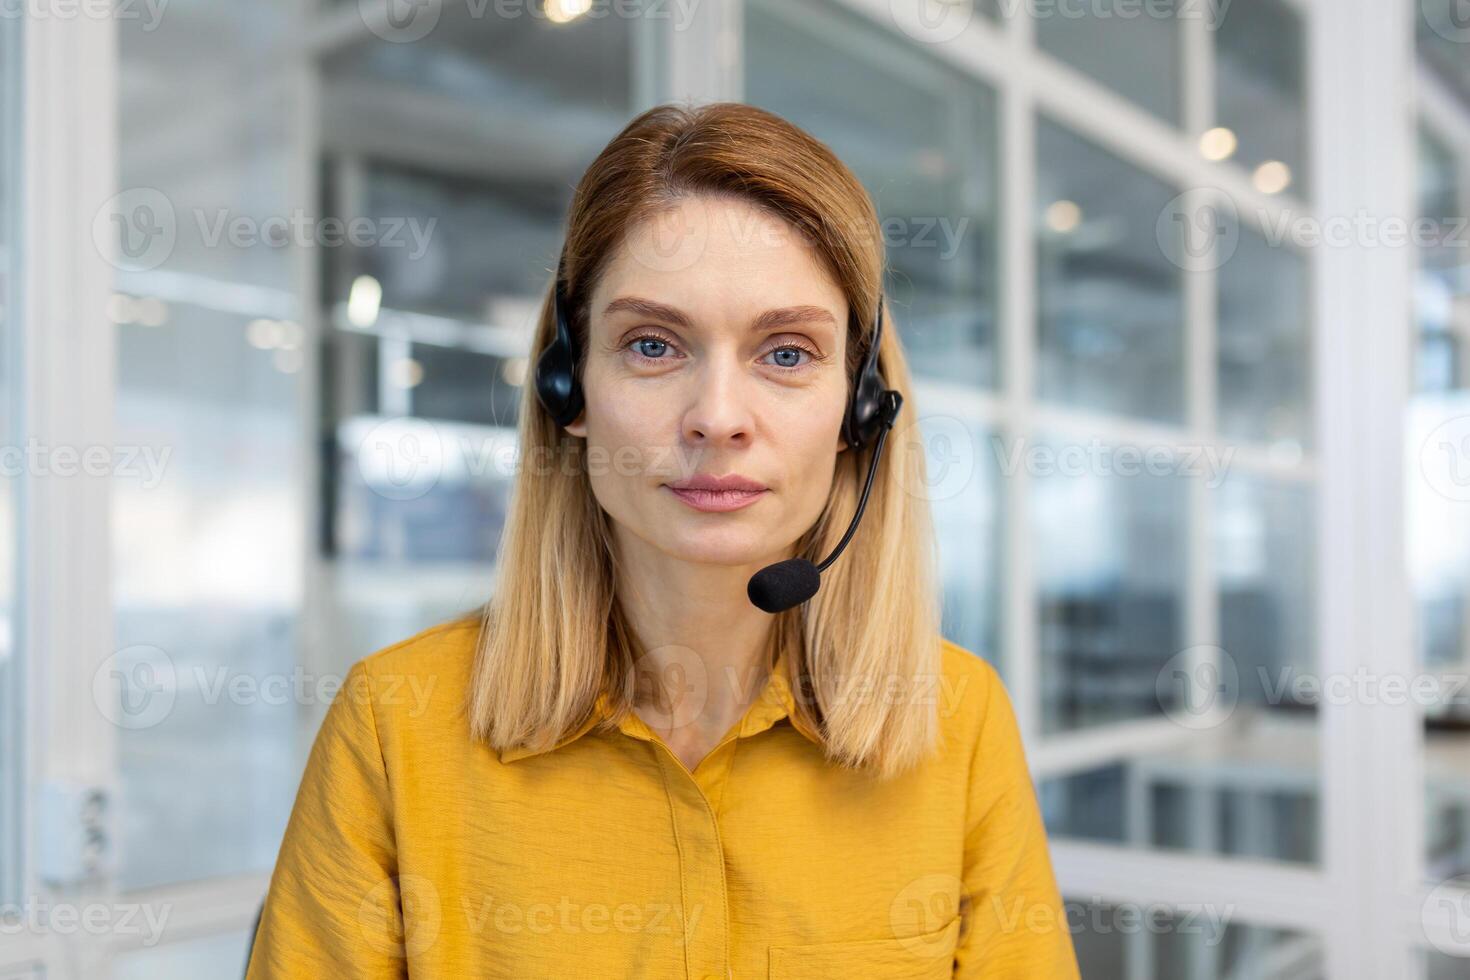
{"type": "Point", "coordinates": [774, 703]}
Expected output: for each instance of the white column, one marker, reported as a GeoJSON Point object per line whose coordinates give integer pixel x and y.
{"type": "Point", "coordinates": [1017, 338]}
{"type": "Point", "coordinates": [68, 175]}
{"type": "Point", "coordinates": [1361, 64]}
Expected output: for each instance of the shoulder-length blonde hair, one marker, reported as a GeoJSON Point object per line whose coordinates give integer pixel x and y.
{"type": "Point", "coordinates": [554, 636]}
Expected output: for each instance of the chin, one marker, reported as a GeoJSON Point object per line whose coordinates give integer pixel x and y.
{"type": "Point", "coordinates": [705, 546]}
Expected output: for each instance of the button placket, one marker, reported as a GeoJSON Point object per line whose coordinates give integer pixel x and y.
{"type": "Point", "coordinates": [701, 869]}
{"type": "Point", "coordinates": [713, 772]}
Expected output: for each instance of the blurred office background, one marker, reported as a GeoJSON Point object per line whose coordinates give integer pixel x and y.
{"type": "Point", "coordinates": [1100, 220]}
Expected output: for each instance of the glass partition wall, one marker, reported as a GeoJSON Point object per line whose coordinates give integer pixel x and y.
{"type": "Point", "coordinates": [1437, 440]}
{"type": "Point", "coordinates": [1139, 349]}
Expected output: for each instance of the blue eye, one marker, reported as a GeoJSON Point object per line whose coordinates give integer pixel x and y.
{"type": "Point", "coordinates": [654, 353]}
{"type": "Point", "coordinates": [788, 357]}
{"type": "Point", "coordinates": [651, 347]}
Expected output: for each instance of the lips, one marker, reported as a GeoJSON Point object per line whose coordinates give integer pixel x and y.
{"type": "Point", "coordinates": [731, 481]}
{"type": "Point", "coordinates": [718, 494]}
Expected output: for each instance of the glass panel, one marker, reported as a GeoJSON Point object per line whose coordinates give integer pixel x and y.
{"type": "Point", "coordinates": [468, 142]}
{"type": "Point", "coordinates": [1265, 755]}
{"type": "Point", "coordinates": [1131, 48]}
{"type": "Point", "coordinates": [419, 491]}
{"type": "Point", "coordinates": [922, 139]}
{"type": "Point", "coordinates": [1263, 562]}
{"type": "Point", "coordinates": [1237, 774]}
{"type": "Point", "coordinates": [221, 956]}
{"type": "Point", "coordinates": [1447, 805]}
{"type": "Point", "coordinates": [1437, 191]}
{"type": "Point", "coordinates": [12, 681]}
{"type": "Point", "coordinates": [1153, 941]}
{"type": "Point", "coordinates": [1437, 490]}
{"type": "Point", "coordinates": [1111, 326]}
{"type": "Point", "coordinates": [1260, 55]}
{"type": "Point", "coordinates": [964, 491]}
{"type": "Point", "coordinates": [453, 246]}
{"type": "Point", "coordinates": [1443, 966]}
{"type": "Point", "coordinates": [1438, 529]}
{"type": "Point", "coordinates": [1188, 798]}
{"type": "Point", "coordinates": [1442, 284]}
{"type": "Point", "coordinates": [1442, 31]}
{"type": "Point", "coordinates": [208, 535]}
{"type": "Point", "coordinates": [1264, 345]}
{"type": "Point", "coordinates": [1110, 558]}
{"type": "Point", "coordinates": [519, 94]}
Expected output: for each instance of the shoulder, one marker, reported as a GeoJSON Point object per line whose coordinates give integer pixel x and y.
{"type": "Point", "coordinates": [956, 661]}
{"type": "Point", "coordinates": [443, 647]}
{"type": "Point", "coordinates": [975, 708]}
{"type": "Point", "coordinates": [420, 680]}
{"type": "Point", "coordinates": [969, 681]}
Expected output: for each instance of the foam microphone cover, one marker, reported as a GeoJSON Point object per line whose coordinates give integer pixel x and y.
{"type": "Point", "coordinates": [788, 583]}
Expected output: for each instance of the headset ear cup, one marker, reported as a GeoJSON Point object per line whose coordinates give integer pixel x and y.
{"type": "Point", "coordinates": [865, 415]}
{"type": "Point", "coordinates": [556, 368]}
{"type": "Point", "coordinates": [556, 384]}
{"type": "Point", "coordinates": [862, 421]}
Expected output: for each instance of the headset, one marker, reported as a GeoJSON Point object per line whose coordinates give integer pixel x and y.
{"type": "Point", "coordinates": [869, 416]}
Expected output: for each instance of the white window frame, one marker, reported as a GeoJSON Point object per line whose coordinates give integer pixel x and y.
{"type": "Point", "coordinates": [1364, 902]}
{"type": "Point", "coordinates": [68, 153]}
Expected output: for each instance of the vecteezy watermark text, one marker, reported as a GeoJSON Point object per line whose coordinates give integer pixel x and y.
{"type": "Point", "coordinates": [1097, 458]}
{"type": "Point", "coordinates": [145, 463]}
{"type": "Point", "coordinates": [150, 12]}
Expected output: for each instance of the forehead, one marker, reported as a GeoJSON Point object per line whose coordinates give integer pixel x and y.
{"type": "Point", "coordinates": [708, 252]}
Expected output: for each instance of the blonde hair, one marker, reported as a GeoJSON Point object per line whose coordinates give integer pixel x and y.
{"type": "Point", "coordinates": [554, 636]}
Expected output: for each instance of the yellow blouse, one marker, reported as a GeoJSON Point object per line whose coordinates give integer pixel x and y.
{"type": "Point", "coordinates": [412, 851]}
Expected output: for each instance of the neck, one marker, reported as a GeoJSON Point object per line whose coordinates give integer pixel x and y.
{"type": "Point", "coordinates": [704, 644]}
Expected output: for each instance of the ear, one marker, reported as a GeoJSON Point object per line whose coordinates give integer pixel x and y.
{"type": "Point", "coordinates": [578, 426]}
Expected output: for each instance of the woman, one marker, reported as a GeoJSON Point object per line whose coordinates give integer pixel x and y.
{"type": "Point", "coordinates": [625, 768]}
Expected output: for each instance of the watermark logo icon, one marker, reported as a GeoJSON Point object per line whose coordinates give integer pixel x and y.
{"type": "Point", "coordinates": [401, 458]}
{"type": "Point", "coordinates": [932, 21]}
{"type": "Point", "coordinates": [1444, 458]}
{"type": "Point", "coordinates": [674, 239]}
{"type": "Point", "coordinates": [1198, 230]}
{"type": "Point", "coordinates": [1450, 19]}
{"type": "Point", "coordinates": [920, 912]}
{"type": "Point", "coordinates": [401, 916]}
{"type": "Point", "coordinates": [672, 686]}
{"type": "Point", "coordinates": [401, 21]}
{"type": "Point", "coordinates": [136, 229]}
{"type": "Point", "coordinates": [1446, 916]}
{"type": "Point", "coordinates": [136, 687]}
{"type": "Point", "coordinates": [1198, 687]}
{"type": "Point", "coordinates": [948, 450]}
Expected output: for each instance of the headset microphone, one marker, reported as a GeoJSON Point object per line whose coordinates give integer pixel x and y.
{"type": "Point", "coordinates": [870, 415]}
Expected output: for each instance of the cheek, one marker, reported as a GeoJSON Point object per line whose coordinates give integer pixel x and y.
{"type": "Point", "coordinates": [627, 439]}
{"type": "Point", "coordinates": [812, 425]}
{"type": "Point", "coordinates": [810, 440]}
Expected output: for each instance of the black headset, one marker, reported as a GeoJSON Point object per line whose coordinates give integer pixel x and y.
{"type": "Point", "coordinates": [561, 393]}
{"type": "Point", "coordinates": [870, 414]}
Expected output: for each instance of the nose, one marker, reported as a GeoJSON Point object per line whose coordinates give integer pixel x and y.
{"type": "Point", "coordinates": [719, 410]}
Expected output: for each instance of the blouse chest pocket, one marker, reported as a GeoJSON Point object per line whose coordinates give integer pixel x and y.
{"type": "Point", "coordinates": [929, 956]}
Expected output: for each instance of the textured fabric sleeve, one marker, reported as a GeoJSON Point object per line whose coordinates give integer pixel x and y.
{"type": "Point", "coordinates": [334, 907]}
{"type": "Point", "coordinates": [1016, 925]}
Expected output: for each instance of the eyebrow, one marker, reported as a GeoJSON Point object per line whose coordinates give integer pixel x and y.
{"type": "Point", "coordinates": [785, 316]}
